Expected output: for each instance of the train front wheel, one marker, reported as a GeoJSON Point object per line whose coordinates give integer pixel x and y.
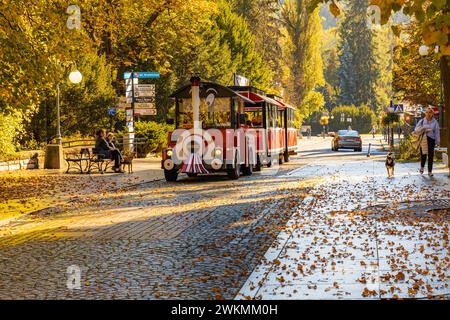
{"type": "Point", "coordinates": [234, 171]}
{"type": "Point", "coordinates": [171, 175]}
{"type": "Point", "coordinates": [247, 171]}
{"type": "Point", "coordinates": [258, 165]}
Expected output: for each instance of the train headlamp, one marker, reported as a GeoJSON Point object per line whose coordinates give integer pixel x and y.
{"type": "Point", "coordinates": [218, 152]}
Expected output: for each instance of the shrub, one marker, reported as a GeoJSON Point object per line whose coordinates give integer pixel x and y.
{"type": "Point", "coordinates": [406, 150]}
{"type": "Point", "coordinates": [390, 119]}
{"type": "Point", "coordinates": [363, 118]}
{"type": "Point", "coordinates": [10, 126]}
{"type": "Point", "coordinates": [154, 133]}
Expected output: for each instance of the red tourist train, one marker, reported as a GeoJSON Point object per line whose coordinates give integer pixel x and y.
{"type": "Point", "coordinates": [227, 129]}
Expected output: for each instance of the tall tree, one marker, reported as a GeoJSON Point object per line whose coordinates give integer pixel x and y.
{"type": "Point", "coordinates": [416, 78]}
{"type": "Point", "coordinates": [262, 17]}
{"type": "Point", "coordinates": [303, 53]}
{"type": "Point", "coordinates": [433, 17]}
{"type": "Point", "coordinates": [358, 70]}
{"type": "Point", "coordinates": [246, 59]}
{"type": "Point", "coordinates": [384, 42]}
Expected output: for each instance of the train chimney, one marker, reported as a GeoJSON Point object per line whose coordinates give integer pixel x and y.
{"type": "Point", "coordinates": [195, 82]}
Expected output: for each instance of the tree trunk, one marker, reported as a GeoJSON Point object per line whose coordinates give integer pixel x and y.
{"type": "Point", "coordinates": [445, 134]}
{"type": "Point", "coordinates": [445, 70]}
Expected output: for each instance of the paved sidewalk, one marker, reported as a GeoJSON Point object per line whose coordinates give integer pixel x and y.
{"type": "Point", "coordinates": [25, 192]}
{"type": "Point", "coordinates": [361, 236]}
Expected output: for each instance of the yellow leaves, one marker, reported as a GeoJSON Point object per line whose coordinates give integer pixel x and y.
{"type": "Point", "coordinates": [396, 30]}
{"type": "Point", "coordinates": [430, 35]}
{"type": "Point", "coordinates": [367, 293]}
{"type": "Point", "coordinates": [400, 276]}
{"type": "Point", "coordinates": [412, 292]}
{"type": "Point", "coordinates": [334, 9]}
{"type": "Point", "coordinates": [445, 50]}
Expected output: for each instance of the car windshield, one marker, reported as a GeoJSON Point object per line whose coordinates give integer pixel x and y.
{"type": "Point", "coordinates": [342, 132]}
{"type": "Point", "coordinates": [352, 134]}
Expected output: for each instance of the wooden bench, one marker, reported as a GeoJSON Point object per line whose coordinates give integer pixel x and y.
{"type": "Point", "coordinates": [75, 160]}
{"type": "Point", "coordinates": [98, 162]}
{"type": "Point", "coordinates": [85, 160]}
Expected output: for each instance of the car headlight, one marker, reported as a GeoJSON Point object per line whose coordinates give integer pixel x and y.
{"type": "Point", "coordinates": [169, 153]}
{"type": "Point", "coordinates": [218, 152]}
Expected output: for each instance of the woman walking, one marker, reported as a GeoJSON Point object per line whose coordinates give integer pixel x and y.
{"type": "Point", "coordinates": [428, 131]}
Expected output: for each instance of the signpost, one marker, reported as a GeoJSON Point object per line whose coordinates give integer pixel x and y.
{"type": "Point", "coordinates": [396, 108]}
{"type": "Point", "coordinates": [141, 75]}
{"type": "Point", "coordinates": [142, 100]}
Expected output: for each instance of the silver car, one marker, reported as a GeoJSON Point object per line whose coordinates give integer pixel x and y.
{"type": "Point", "coordinates": [347, 139]}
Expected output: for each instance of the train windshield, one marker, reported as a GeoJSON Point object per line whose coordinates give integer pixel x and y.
{"type": "Point", "coordinates": [213, 113]}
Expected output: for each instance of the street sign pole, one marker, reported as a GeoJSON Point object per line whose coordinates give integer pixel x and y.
{"type": "Point", "coordinates": [132, 99]}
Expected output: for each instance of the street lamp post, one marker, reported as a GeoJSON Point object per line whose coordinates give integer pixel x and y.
{"type": "Point", "coordinates": [75, 77]}
{"type": "Point", "coordinates": [58, 118]}
{"type": "Point", "coordinates": [54, 153]}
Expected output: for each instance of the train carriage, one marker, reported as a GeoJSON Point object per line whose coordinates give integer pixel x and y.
{"type": "Point", "coordinates": [277, 137]}
{"type": "Point", "coordinates": [210, 134]}
{"type": "Point", "coordinates": [227, 129]}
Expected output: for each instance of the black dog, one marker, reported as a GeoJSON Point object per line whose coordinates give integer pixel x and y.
{"type": "Point", "coordinates": [390, 164]}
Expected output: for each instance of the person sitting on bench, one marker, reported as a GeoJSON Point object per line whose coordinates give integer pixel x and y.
{"type": "Point", "coordinates": [103, 148]}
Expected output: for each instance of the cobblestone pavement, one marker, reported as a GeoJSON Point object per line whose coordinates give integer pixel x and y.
{"type": "Point", "coordinates": [198, 238]}
{"type": "Point", "coordinates": [361, 235]}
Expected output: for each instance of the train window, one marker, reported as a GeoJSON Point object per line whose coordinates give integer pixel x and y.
{"type": "Point", "coordinates": [290, 114]}
{"type": "Point", "coordinates": [254, 119]}
{"type": "Point", "coordinates": [280, 119]}
{"type": "Point", "coordinates": [272, 117]}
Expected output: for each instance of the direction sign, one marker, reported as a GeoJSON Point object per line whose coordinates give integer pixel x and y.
{"type": "Point", "coordinates": [145, 112]}
{"type": "Point", "coordinates": [142, 75]}
{"type": "Point", "coordinates": [144, 90]}
{"type": "Point", "coordinates": [144, 99]}
{"type": "Point", "coordinates": [144, 105]}
{"type": "Point", "coordinates": [146, 87]}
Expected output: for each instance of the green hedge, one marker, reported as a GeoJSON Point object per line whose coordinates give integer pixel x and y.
{"type": "Point", "coordinates": [154, 133]}
{"type": "Point", "coordinates": [10, 128]}
{"type": "Point", "coordinates": [406, 149]}
{"type": "Point", "coordinates": [363, 118]}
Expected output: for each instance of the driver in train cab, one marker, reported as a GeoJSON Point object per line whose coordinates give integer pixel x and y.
{"type": "Point", "coordinates": [244, 121]}
{"type": "Point", "coordinates": [257, 121]}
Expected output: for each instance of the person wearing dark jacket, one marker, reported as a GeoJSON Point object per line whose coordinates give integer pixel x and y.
{"type": "Point", "coordinates": [102, 147]}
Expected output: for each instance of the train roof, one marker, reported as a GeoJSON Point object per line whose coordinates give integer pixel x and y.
{"type": "Point", "coordinates": [205, 87]}
{"type": "Point", "coordinates": [280, 100]}
{"type": "Point", "coordinates": [258, 96]}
